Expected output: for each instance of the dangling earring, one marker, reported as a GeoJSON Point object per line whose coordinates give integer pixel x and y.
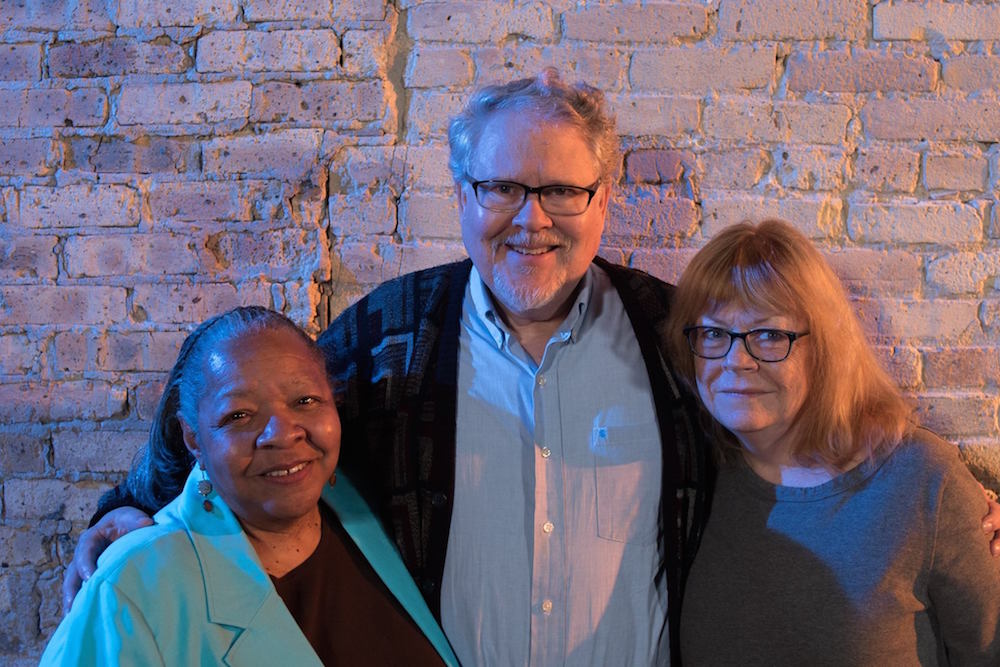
{"type": "Point", "coordinates": [204, 488]}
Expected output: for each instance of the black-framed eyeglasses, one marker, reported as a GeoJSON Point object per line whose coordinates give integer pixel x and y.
{"type": "Point", "coordinates": [768, 345]}
{"type": "Point", "coordinates": [558, 199]}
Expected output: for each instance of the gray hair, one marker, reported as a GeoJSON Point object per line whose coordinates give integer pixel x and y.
{"type": "Point", "coordinates": [160, 469]}
{"type": "Point", "coordinates": [579, 105]}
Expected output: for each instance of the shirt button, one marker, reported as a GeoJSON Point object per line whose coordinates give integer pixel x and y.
{"type": "Point", "coordinates": [541, 380]}
{"type": "Point", "coordinates": [547, 527]}
{"type": "Point", "coordinates": [546, 452]}
{"type": "Point", "coordinates": [547, 606]}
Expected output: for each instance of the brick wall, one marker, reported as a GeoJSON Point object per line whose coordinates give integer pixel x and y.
{"type": "Point", "coordinates": [160, 161]}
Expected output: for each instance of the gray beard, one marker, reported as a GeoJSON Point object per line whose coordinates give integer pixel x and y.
{"type": "Point", "coordinates": [520, 298]}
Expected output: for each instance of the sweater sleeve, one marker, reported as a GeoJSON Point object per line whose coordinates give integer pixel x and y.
{"type": "Point", "coordinates": [964, 582]}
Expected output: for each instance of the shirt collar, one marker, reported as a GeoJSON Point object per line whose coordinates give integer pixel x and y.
{"type": "Point", "coordinates": [486, 311]}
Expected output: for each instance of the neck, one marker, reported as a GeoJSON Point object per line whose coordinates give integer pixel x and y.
{"type": "Point", "coordinates": [533, 329]}
{"type": "Point", "coordinates": [283, 548]}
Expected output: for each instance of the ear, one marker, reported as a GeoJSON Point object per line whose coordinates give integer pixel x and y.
{"type": "Point", "coordinates": [603, 197]}
{"type": "Point", "coordinates": [190, 439]}
{"type": "Point", "coordinates": [460, 196]}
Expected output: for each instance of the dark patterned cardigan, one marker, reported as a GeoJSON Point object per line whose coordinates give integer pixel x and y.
{"type": "Point", "coordinates": [394, 357]}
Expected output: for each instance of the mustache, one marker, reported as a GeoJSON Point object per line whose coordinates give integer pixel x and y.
{"type": "Point", "coordinates": [522, 238]}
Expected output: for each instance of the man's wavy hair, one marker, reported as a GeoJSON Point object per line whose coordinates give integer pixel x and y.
{"type": "Point", "coordinates": [549, 97]}
{"type": "Point", "coordinates": [853, 407]}
{"type": "Point", "coordinates": [161, 467]}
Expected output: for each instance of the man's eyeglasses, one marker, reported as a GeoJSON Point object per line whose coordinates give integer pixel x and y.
{"type": "Point", "coordinates": [762, 344]}
{"type": "Point", "coordinates": [507, 196]}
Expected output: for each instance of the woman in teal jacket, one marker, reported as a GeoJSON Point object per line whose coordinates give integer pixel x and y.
{"type": "Point", "coordinates": [246, 566]}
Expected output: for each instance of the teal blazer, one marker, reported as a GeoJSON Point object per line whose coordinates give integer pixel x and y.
{"type": "Point", "coordinates": [191, 591]}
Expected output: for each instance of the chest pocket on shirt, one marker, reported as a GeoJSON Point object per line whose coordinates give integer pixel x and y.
{"type": "Point", "coordinates": [627, 479]}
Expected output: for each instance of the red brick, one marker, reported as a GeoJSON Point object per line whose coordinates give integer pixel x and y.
{"type": "Point", "coordinates": [278, 51]}
{"type": "Point", "coordinates": [74, 351]}
{"type": "Point", "coordinates": [953, 415]}
{"type": "Point", "coordinates": [429, 216]}
{"type": "Point", "coordinates": [144, 104]}
{"type": "Point", "coordinates": [431, 67]}
{"type": "Point", "coordinates": [357, 10]}
{"type": "Point", "coordinates": [941, 20]}
{"type": "Point", "coordinates": [426, 168]}
{"type": "Point", "coordinates": [896, 118]}
{"type": "Point", "coordinates": [921, 222]}
{"type": "Point", "coordinates": [702, 69]}
{"type": "Point", "coordinates": [147, 398]}
{"type": "Point", "coordinates": [407, 258]}
{"type": "Point", "coordinates": [366, 53]}
{"type": "Point", "coordinates": [429, 113]}
{"type": "Point", "coordinates": [741, 118]}
{"type": "Point", "coordinates": [22, 451]}
{"type": "Point", "coordinates": [362, 214]}
{"type": "Point", "coordinates": [650, 214]}
{"type": "Point", "coordinates": [857, 70]}
{"type": "Point", "coordinates": [137, 351]}
{"type": "Point", "coordinates": [21, 62]}
{"type": "Point", "coordinates": [956, 172]}
{"type": "Point", "coordinates": [27, 157]}
{"type": "Point", "coordinates": [33, 499]}
{"type": "Point", "coordinates": [287, 10]}
{"type": "Point", "coordinates": [671, 117]}
{"type": "Point", "coordinates": [25, 258]}
{"type": "Point", "coordinates": [55, 15]}
{"type": "Point", "coordinates": [887, 169]}
{"type": "Point", "coordinates": [46, 107]}
{"type": "Point", "coordinates": [661, 22]}
{"type": "Point", "coordinates": [18, 354]}
{"type": "Point", "coordinates": [200, 13]}
{"type": "Point", "coordinates": [902, 364]}
{"type": "Point", "coordinates": [130, 255]}
{"type": "Point", "coordinates": [333, 104]}
{"type": "Point", "coordinates": [192, 303]}
{"type": "Point", "coordinates": [81, 205]}
{"type": "Point", "coordinates": [813, 123]}
{"type": "Point", "coordinates": [664, 263]}
{"type": "Point", "coordinates": [877, 271]}
{"type": "Point", "coordinates": [144, 155]}
{"type": "Point", "coordinates": [812, 168]}
{"type": "Point", "coordinates": [280, 255]}
{"type": "Point", "coordinates": [963, 272]}
{"type": "Point", "coordinates": [734, 168]}
{"type": "Point", "coordinates": [962, 368]}
{"type": "Point", "coordinates": [816, 216]}
{"type": "Point", "coordinates": [96, 451]}
{"type": "Point", "coordinates": [282, 154]}
{"type": "Point", "coordinates": [116, 57]}
{"type": "Point", "coordinates": [198, 200]}
{"type": "Point", "coordinates": [50, 305]}
{"type": "Point", "coordinates": [752, 20]}
{"type": "Point", "coordinates": [478, 22]}
{"type": "Point", "coordinates": [601, 66]}
{"type": "Point", "coordinates": [30, 402]}
{"type": "Point", "coordinates": [968, 72]}
{"type": "Point", "coordinates": [656, 165]}
{"type": "Point", "coordinates": [947, 321]}
{"type": "Point", "coordinates": [22, 547]}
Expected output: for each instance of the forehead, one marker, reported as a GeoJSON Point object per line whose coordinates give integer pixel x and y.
{"type": "Point", "coordinates": [744, 313]}
{"type": "Point", "coordinates": [527, 139]}
{"type": "Point", "coordinates": [255, 352]}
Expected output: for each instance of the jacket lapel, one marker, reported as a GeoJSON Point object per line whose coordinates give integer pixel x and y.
{"type": "Point", "coordinates": [368, 534]}
{"type": "Point", "coordinates": [238, 590]}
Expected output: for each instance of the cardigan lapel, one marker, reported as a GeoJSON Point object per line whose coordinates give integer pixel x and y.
{"type": "Point", "coordinates": [368, 534]}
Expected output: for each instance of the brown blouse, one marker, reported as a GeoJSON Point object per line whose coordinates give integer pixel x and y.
{"type": "Point", "coordinates": [345, 611]}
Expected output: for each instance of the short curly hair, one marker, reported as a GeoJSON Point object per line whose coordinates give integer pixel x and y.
{"type": "Point", "coordinates": [579, 105]}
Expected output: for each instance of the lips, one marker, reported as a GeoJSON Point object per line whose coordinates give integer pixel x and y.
{"type": "Point", "coordinates": [536, 250]}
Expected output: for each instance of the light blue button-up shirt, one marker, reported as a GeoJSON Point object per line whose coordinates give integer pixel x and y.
{"type": "Point", "coordinates": [552, 550]}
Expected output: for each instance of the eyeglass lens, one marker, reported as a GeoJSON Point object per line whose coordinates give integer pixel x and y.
{"type": "Point", "coordinates": [556, 199]}
{"type": "Point", "coordinates": [762, 344]}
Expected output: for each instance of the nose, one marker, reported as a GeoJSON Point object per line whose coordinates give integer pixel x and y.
{"type": "Point", "coordinates": [531, 217]}
{"type": "Point", "coordinates": [739, 356]}
{"type": "Point", "coordinates": [281, 430]}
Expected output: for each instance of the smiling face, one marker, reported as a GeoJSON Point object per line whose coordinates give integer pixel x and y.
{"type": "Point", "coordinates": [531, 261]}
{"type": "Point", "coordinates": [267, 428]}
{"type": "Point", "coordinates": [756, 401]}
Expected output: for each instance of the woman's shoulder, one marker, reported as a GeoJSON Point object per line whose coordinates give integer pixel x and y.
{"type": "Point", "coordinates": [927, 461]}
{"type": "Point", "coordinates": [145, 550]}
